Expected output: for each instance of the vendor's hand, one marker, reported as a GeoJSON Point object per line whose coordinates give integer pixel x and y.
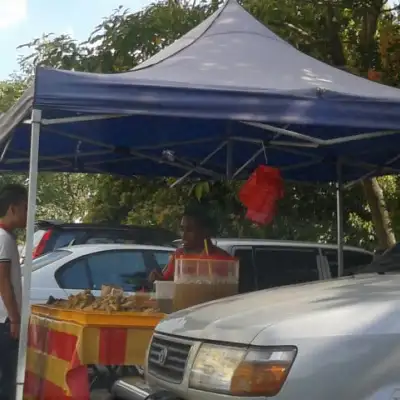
{"type": "Point", "coordinates": [14, 329]}
{"type": "Point", "coordinates": [155, 276]}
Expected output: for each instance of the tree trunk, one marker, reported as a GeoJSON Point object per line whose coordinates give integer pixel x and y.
{"type": "Point", "coordinates": [334, 43]}
{"type": "Point", "coordinates": [373, 192]}
{"type": "Point", "coordinates": [379, 213]}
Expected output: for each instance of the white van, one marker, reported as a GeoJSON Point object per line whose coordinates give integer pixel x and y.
{"type": "Point", "coordinates": [318, 340]}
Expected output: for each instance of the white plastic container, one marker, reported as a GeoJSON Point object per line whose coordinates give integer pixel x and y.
{"type": "Point", "coordinates": [165, 289]}
{"type": "Point", "coordinates": [201, 278]}
{"type": "Point", "coordinates": [165, 292]}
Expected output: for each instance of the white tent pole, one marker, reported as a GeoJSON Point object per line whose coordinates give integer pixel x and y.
{"type": "Point", "coordinates": [27, 272]}
{"type": "Point", "coordinates": [339, 216]}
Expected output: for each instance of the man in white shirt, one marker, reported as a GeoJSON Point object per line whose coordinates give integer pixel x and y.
{"type": "Point", "coordinates": [13, 213]}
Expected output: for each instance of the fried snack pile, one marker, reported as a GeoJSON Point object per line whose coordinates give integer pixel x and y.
{"type": "Point", "coordinates": [81, 300]}
{"type": "Point", "coordinates": [114, 301]}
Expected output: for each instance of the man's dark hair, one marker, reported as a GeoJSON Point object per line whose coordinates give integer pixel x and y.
{"type": "Point", "coordinates": [11, 194]}
{"type": "Point", "coordinates": [201, 215]}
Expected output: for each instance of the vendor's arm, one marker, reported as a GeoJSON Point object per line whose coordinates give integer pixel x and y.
{"type": "Point", "coordinates": [167, 274]}
{"type": "Point", "coordinates": [169, 271]}
{"type": "Point", "coordinates": [155, 276]}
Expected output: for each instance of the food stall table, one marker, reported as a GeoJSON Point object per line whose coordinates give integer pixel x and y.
{"type": "Point", "coordinates": [62, 343]}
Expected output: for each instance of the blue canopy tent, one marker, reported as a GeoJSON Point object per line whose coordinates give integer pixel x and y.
{"type": "Point", "coordinates": [230, 80]}
{"type": "Point", "coordinates": [217, 102]}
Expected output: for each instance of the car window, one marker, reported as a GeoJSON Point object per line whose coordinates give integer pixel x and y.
{"type": "Point", "coordinates": [130, 236]}
{"type": "Point", "coordinates": [64, 239]}
{"type": "Point", "coordinates": [351, 260]}
{"type": "Point", "coordinates": [389, 260]}
{"type": "Point", "coordinates": [162, 258]}
{"type": "Point", "coordinates": [155, 236]}
{"type": "Point", "coordinates": [38, 236]}
{"type": "Point", "coordinates": [74, 275]}
{"type": "Point", "coordinates": [279, 266]}
{"type": "Point", "coordinates": [123, 268]}
{"type": "Point", "coordinates": [392, 250]}
{"type": "Point", "coordinates": [247, 278]}
{"type": "Point", "coordinates": [176, 243]}
{"type": "Point", "coordinates": [128, 269]}
{"type": "Point", "coordinates": [49, 258]}
{"type": "Point", "coordinates": [101, 240]}
{"type": "Point", "coordinates": [110, 236]}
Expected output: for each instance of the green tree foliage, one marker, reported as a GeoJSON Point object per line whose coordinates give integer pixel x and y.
{"type": "Point", "coordinates": [352, 34]}
{"type": "Point", "coordinates": [65, 196]}
{"type": "Point", "coordinates": [10, 91]}
{"type": "Point", "coordinates": [60, 196]}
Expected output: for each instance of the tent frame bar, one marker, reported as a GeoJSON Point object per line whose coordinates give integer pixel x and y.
{"type": "Point", "coordinates": [142, 155]}
{"type": "Point", "coordinates": [202, 162]}
{"type": "Point", "coordinates": [82, 118]}
{"type": "Point", "coordinates": [273, 143]}
{"type": "Point", "coordinates": [282, 145]}
{"type": "Point", "coordinates": [321, 142]}
{"type": "Point", "coordinates": [195, 164]}
{"type": "Point", "coordinates": [190, 168]}
{"type": "Point", "coordinates": [27, 271]}
{"type": "Point", "coordinates": [285, 132]}
{"type": "Point", "coordinates": [371, 173]}
{"type": "Point", "coordinates": [60, 157]}
{"type": "Point", "coordinates": [260, 125]}
{"type": "Point", "coordinates": [249, 161]}
{"type": "Point", "coordinates": [7, 145]}
{"type": "Point", "coordinates": [229, 159]}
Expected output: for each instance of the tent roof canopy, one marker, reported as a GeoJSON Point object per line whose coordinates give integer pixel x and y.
{"type": "Point", "coordinates": [229, 80]}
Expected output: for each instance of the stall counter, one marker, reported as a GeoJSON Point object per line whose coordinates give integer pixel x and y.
{"type": "Point", "coordinates": [60, 351]}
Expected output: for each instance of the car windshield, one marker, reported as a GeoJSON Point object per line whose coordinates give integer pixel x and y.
{"type": "Point", "coordinates": [386, 262]}
{"type": "Point", "coordinates": [48, 258]}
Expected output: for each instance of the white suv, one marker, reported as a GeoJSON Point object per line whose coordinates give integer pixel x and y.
{"type": "Point", "coordinates": [318, 340]}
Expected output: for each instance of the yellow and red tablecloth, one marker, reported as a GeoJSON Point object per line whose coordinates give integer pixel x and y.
{"type": "Point", "coordinates": [59, 352]}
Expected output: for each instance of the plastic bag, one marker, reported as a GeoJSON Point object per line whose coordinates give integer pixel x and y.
{"type": "Point", "coordinates": [260, 194]}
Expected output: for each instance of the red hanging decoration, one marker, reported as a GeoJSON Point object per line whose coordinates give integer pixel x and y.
{"type": "Point", "coordinates": [260, 194]}
{"type": "Point", "coordinates": [262, 218]}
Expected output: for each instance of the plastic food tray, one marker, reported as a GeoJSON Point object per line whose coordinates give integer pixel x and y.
{"type": "Point", "coordinates": [100, 318]}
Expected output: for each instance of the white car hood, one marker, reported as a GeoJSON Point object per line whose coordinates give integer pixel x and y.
{"type": "Point", "coordinates": [334, 307]}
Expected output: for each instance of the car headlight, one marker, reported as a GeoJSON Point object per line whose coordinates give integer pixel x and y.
{"type": "Point", "coordinates": [238, 371]}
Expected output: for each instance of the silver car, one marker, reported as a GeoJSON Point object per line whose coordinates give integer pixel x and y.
{"type": "Point", "coordinates": [72, 269]}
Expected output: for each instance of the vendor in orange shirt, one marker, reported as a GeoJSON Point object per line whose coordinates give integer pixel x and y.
{"type": "Point", "coordinates": [196, 228]}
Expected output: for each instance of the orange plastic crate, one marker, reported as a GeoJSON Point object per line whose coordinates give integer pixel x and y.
{"type": "Point", "coordinates": [100, 318]}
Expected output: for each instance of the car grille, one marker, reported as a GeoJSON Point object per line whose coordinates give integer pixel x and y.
{"type": "Point", "coordinates": [167, 359]}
